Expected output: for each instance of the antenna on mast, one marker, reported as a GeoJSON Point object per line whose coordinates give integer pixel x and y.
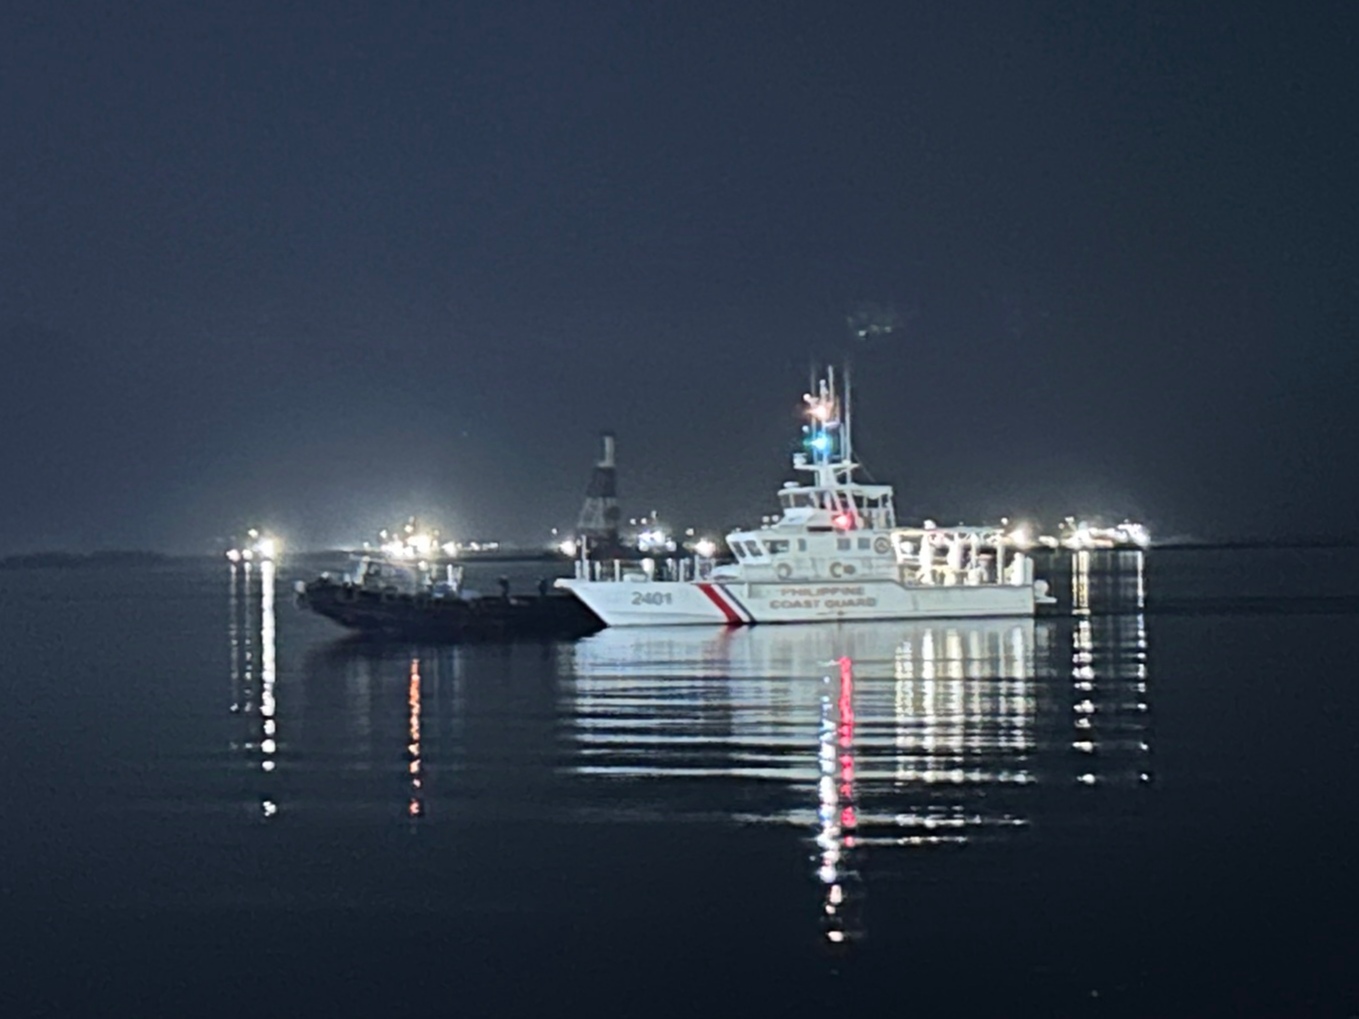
{"type": "Point", "coordinates": [845, 423]}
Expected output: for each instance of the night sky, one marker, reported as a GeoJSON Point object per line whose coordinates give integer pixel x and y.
{"type": "Point", "coordinates": [321, 265]}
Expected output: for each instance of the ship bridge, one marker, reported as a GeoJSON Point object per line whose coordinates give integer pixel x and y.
{"type": "Point", "coordinates": [843, 507]}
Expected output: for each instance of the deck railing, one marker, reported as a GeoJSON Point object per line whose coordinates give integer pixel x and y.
{"type": "Point", "coordinates": [989, 568]}
{"type": "Point", "coordinates": [679, 568]}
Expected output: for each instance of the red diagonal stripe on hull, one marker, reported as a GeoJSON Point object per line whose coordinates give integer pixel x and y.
{"type": "Point", "coordinates": [717, 600]}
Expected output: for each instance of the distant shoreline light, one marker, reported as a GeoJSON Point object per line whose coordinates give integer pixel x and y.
{"type": "Point", "coordinates": [260, 546]}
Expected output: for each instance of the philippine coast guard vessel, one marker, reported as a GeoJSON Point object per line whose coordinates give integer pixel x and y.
{"type": "Point", "coordinates": [834, 553]}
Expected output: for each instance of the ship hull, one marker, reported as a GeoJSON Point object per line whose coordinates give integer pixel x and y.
{"type": "Point", "coordinates": [448, 619]}
{"type": "Point", "coordinates": [669, 603]}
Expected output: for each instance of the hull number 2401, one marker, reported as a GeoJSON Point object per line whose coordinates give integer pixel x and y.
{"type": "Point", "coordinates": [650, 598]}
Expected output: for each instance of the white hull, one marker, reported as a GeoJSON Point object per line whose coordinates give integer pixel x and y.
{"type": "Point", "coordinates": [668, 603]}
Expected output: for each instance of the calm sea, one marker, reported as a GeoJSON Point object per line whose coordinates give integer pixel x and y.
{"type": "Point", "coordinates": [214, 804]}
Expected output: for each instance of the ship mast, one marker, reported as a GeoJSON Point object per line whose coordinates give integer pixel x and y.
{"type": "Point", "coordinates": [848, 448]}
{"type": "Point", "coordinates": [827, 436]}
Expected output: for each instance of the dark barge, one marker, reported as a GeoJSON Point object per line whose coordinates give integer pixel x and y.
{"type": "Point", "coordinates": [363, 602]}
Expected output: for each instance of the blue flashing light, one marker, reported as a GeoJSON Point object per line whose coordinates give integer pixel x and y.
{"type": "Point", "coordinates": [820, 443]}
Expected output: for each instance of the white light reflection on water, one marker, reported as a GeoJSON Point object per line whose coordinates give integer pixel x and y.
{"type": "Point", "coordinates": [933, 700]}
{"type": "Point", "coordinates": [242, 635]}
{"type": "Point", "coordinates": [878, 733]}
{"type": "Point", "coordinates": [252, 639]}
{"type": "Point", "coordinates": [268, 670]}
{"type": "Point", "coordinates": [894, 734]}
{"type": "Point", "coordinates": [1110, 709]}
{"type": "Point", "coordinates": [236, 603]}
{"type": "Point", "coordinates": [1080, 583]}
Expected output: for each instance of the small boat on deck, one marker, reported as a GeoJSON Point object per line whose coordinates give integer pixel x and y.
{"type": "Point", "coordinates": [383, 598]}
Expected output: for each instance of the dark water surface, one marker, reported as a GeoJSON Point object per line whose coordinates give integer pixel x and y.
{"type": "Point", "coordinates": [215, 805]}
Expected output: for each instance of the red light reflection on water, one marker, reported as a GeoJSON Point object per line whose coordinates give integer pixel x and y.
{"type": "Point", "coordinates": [416, 806]}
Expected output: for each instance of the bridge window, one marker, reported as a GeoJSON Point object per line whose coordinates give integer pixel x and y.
{"type": "Point", "coordinates": [776, 547]}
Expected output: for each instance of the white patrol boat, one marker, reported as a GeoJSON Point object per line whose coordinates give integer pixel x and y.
{"type": "Point", "coordinates": [834, 553]}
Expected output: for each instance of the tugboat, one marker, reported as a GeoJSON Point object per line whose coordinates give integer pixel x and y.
{"type": "Point", "coordinates": [835, 553]}
{"type": "Point", "coordinates": [386, 598]}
